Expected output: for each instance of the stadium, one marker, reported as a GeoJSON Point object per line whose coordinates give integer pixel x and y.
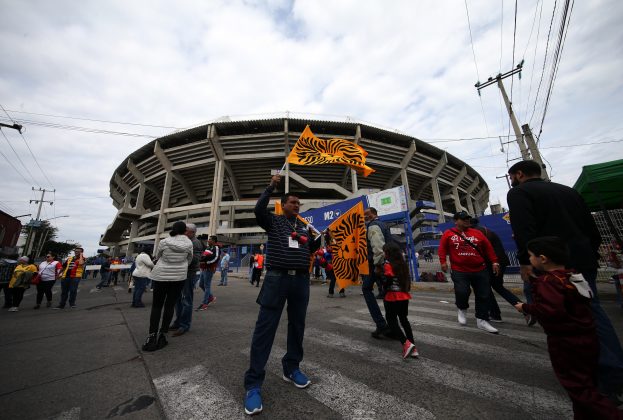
{"type": "Point", "coordinates": [212, 175]}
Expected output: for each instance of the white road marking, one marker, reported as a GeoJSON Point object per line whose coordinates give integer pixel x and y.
{"type": "Point", "coordinates": [536, 336]}
{"type": "Point", "coordinates": [352, 399]}
{"type": "Point", "coordinates": [495, 352]}
{"type": "Point", "coordinates": [195, 394]}
{"type": "Point", "coordinates": [71, 414]}
{"type": "Point", "coordinates": [538, 402]}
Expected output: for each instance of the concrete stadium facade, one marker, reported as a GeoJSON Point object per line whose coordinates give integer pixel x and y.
{"type": "Point", "coordinates": [212, 175]}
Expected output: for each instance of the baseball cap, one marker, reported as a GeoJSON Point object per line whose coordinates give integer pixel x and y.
{"type": "Point", "coordinates": [463, 215]}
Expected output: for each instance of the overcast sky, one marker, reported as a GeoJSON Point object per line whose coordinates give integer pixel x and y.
{"type": "Point", "coordinates": [405, 65]}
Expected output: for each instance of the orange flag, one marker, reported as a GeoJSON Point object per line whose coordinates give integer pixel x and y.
{"type": "Point", "coordinates": [310, 150]}
{"type": "Point", "coordinates": [349, 247]}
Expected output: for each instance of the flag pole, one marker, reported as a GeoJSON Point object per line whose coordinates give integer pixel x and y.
{"type": "Point", "coordinates": [282, 168]}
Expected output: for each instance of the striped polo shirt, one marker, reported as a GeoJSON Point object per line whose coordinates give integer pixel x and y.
{"type": "Point", "coordinates": [279, 254]}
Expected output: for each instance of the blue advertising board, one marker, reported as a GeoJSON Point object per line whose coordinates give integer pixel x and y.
{"type": "Point", "coordinates": [321, 218]}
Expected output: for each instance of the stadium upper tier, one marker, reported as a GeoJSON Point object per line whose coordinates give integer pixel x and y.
{"type": "Point", "coordinates": [226, 165]}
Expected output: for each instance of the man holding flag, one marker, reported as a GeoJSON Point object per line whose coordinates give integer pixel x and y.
{"type": "Point", "coordinates": [290, 245]}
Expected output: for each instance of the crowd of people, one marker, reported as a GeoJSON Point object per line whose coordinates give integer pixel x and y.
{"type": "Point", "coordinates": [557, 243]}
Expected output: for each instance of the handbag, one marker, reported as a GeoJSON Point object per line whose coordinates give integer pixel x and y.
{"type": "Point", "coordinates": [36, 279]}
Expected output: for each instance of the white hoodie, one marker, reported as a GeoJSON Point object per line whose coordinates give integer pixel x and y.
{"type": "Point", "coordinates": [174, 254]}
{"type": "Point", "coordinates": [143, 265]}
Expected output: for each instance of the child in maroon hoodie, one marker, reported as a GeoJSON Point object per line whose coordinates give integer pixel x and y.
{"type": "Point", "coordinates": [566, 317]}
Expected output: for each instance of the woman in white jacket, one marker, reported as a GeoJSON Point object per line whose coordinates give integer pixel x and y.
{"type": "Point", "coordinates": [140, 276]}
{"type": "Point", "coordinates": [173, 255]}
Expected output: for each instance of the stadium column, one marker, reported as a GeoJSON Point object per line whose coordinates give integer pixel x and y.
{"type": "Point", "coordinates": [470, 200]}
{"type": "Point", "coordinates": [353, 174]}
{"type": "Point", "coordinates": [164, 204]}
{"type": "Point", "coordinates": [217, 192]}
{"type": "Point", "coordinates": [478, 199]}
{"type": "Point", "coordinates": [443, 161]}
{"type": "Point", "coordinates": [133, 232]}
{"type": "Point", "coordinates": [286, 140]}
{"type": "Point", "coordinates": [455, 189]}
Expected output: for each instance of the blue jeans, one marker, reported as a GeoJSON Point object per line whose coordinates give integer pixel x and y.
{"type": "Point", "coordinates": [206, 285]}
{"type": "Point", "coordinates": [105, 280]}
{"type": "Point", "coordinates": [278, 287]}
{"type": "Point", "coordinates": [69, 285]}
{"type": "Point", "coordinates": [368, 295]}
{"type": "Point", "coordinates": [140, 283]}
{"type": "Point", "coordinates": [610, 367]}
{"type": "Point", "coordinates": [224, 276]}
{"type": "Point", "coordinates": [479, 281]}
{"type": "Point", "coordinates": [184, 306]}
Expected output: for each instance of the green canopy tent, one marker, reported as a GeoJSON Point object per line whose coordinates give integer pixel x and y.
{"type": "Point", "coordinates": [601, 187]}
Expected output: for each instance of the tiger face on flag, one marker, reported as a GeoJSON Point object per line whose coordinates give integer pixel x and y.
{"type": "Point", "coordinates": [349, 247]}
{"type": "Point", "coordinates": [310, 150]}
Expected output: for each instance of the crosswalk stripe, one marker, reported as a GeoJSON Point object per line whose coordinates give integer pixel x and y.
{"type": "Point", "coordinates": [537, 402]}
{"type": "Point", "coordinates": [419, 308]}
{"type": "Point", "coordinates": [471, 326]}
{"type": "Point", "coordinates": [193, 393]}
{"type": "Point", "coordinates": [352, 399]}
{"type": "Point", "coordinates": [497, 353]}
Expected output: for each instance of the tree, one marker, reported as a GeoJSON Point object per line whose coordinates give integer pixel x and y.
{"type": "Point", "coordinates": [61, 249]}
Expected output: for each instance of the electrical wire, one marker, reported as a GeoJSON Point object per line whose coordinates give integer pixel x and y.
{"type": "Point", "coordinates": [549, 32]}
{"type": "Point", "coordinates": [96, 120]}
{"type": "Point", "coordinates": [562, 37]}
{"type": "Point", "coordinates": [31, 153]}
{"type": "Point", "coordinates": [19, 159]}
{"type": "Point", "coordinates": [14, 168]}
{"type": "Point", "coordinates": [85, 129]}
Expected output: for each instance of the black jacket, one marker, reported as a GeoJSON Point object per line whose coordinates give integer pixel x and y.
{"type": "Point", "coordinates": [540, 208]}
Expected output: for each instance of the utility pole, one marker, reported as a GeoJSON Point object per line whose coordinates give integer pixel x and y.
{"type": "Point", "coordinates": [509, 106]}
{"type": "Point", "coordinates": [31, 238]}
{"type": "Point", "coordinates": [534, 150]}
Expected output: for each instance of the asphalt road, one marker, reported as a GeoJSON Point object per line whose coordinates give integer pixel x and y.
{"type": "Point", "coordinates": [86, 363]}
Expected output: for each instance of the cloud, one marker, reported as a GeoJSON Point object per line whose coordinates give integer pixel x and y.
{"type": "Point", "coordinates": [404, 65]}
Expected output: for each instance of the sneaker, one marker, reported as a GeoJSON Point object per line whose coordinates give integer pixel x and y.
{"type": "Point", "coordinates": [139, 305]}
{"type": "Point", "coordinates": [36, 306]}
{"type": "Point", "coordinates": [298, 378]}
{"type": "Point", "coordinates": [178, 332]}
{"type": "Point", "coordinates": [407, 348]}
{"type": "Point", "coordinates": [162, 341]}
{"type": "Point", "coordinates": [198, 309]}
{"type": "Point", "coordinates": [484, 325]}
{"type": "Point", "coordinates": [73, 306]}
{"type": "Point", "coordinates": [58, 307]}
{"type": "Point", "coordinates": [342, 294]}
{"type": "Point", "coordinates": [462, 317]}
{"type": "Point", "coordinates": [415, 353]}
{"type": "Point", "coordinates": [378, 333]}
{"type": "Point", "coordinates": [530, 320]}
{"type": "Point", "coordinates": [253, 402]}
{"type": "Point", "coordinates": [211, 300]}
{"type": "Point", "coordinates": [151, 344]}
{"type": "Point", "coordinates": [13, 309]}
{"type": "Point", "coordinates": [330, 295]}
{"type": "Point", "coordinates": [202, 307]}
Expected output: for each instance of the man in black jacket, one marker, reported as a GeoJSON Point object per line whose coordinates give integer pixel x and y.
{"type": "Point", "coordinates": [540, 208]}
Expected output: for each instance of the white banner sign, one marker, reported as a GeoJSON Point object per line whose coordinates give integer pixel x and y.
{"type": "Point", "coordinates": [389, 201]}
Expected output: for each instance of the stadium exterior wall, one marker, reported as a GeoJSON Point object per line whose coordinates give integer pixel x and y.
{"type": "Point", "coordinates": [212, 175]}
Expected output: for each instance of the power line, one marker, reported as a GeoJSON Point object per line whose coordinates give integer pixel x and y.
{"type": "Point", "coordinates": [18, 158]}
{"type": "Point", "coordinates": [14, 168]}
{"type": "Point", "coordinates": [85, 129]}
{"type": "Point", "coordinates": [471, 39]}
{"type": "Point", "coordinates": [96, 120]}
{"type": "Point", "coordinates": [31, 153]}
{"type": "Point", "coordinates": [536, 98]}
{"type": "Point", "coordinates": [536, 45]}
{"type": "Point", "coordinates": [562, 37]}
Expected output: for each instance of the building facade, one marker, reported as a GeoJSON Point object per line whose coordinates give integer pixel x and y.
{"type": "Point", "coordinates": [212, 175]}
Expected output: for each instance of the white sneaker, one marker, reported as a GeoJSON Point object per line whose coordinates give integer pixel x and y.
{"type": "Point", "coordinates": [484, 325]}
{"type": "Point", "coordinates": [13, 309]}
{"type": "Point", "coordinates": [462, 317]}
